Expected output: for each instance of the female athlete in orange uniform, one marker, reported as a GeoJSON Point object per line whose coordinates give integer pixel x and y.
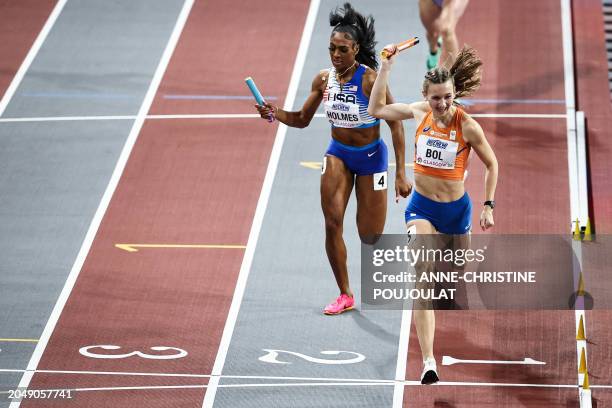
{"type": "Point", "coordinates": [444, 138]}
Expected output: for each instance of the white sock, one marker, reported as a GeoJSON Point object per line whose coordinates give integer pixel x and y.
{"type": "Point", "coordinates": [429, 361]}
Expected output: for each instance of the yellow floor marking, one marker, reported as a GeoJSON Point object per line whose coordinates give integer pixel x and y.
{"type": "Point", "coordinates": [134, 247]}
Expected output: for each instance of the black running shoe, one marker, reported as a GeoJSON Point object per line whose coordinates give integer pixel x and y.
{"type": "Point", "coordinates": [430, 373]}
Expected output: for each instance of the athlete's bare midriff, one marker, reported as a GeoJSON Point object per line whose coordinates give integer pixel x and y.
{"type": "Point", "coordinates": [438, 189]}
{"type": "Point", "coordinates": [356, 136]}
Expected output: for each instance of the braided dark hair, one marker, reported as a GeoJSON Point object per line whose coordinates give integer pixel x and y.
{"type": "Point", "coordinates": [361, 29]}
{"type": "Point", "coordinates": [465, 74]}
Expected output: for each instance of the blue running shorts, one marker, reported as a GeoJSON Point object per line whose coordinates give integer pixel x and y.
{"type": "Point", "coordinates": [364, 160]}
{"type": "Point", "coordinates": [448, 218]}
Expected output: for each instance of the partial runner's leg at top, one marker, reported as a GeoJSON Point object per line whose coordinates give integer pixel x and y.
{"type": "Point", "coordinates": [336, 186]}
{"type": "Point", "coordinates": [452, 10]}
{"type": "Point", "coordinates": [440, 23]}
{"type": "Point", "coordinates": [430, 14]}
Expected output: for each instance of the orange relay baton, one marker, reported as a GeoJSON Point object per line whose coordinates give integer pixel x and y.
{"type": "Point", "coordinates": [404, 45]}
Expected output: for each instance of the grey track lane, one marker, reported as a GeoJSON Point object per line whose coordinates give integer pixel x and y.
{"type": "Point", "coordinates": [290, 280]}
{"type": "Point", "coordinates": [98, 59]}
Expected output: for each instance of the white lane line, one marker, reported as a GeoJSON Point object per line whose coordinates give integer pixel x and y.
{"type": "Point", "coordinates": [204, 386]}
{"type": "Point", "coordinates": [25, 65]}
{"type": "Point", "coordinates": [520, 115]}
{"type": "Point", "coordinates": [262, 203]}
{"type": "Point", "coordinates": [312, 384]}
{"type": "Point", "coordinates": [208, 116]}
{"type": "Point", "coordinates": [110, 189]}
{"type": "Point", "coordinates": [65, 119]}
{"type": "Point", "coordinates": [131, 117]}
{"type": "Point", "coordinates": [402, 358]}
{"type": "Point", "coordinates": [241, 116]}
{"type": "Point", "coordinates": [185, 375]}
{"type": "Point", "coordinates": [401, 383]}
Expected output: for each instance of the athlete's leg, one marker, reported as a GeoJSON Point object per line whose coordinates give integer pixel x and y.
{"type": "Point", "coordinates": [452, 10]}
{"type": "Point", "coordinates": [430, 13]}
{"type": "Point", "coordinates": [424, 318]}
{"type": "Point", "coordinates": [371, 208]}
{"type": "Point", "coordinates": [460, 243]}
{"type": "Point", "coordinates": [457, 243]}
{"type": "Point", "coordinates": [336, 187]}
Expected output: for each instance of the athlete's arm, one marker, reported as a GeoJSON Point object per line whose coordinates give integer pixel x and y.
{"type": "Point", "coordinates": [301, 118]}
{"type": "Point", "coordinates": [473, 134]}
{"type": "Point", "coordinates": [402, 185]}
{"type": "Point", "coordinates": [378, 106]}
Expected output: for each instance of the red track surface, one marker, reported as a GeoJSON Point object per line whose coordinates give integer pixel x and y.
{"type": "Point", "coordinates": [20, 23]}
{"type": "Point", "coordinates": [533, 175]}
{"type": "Point", "coordinates": [186, 182]}
{"type": "Point", "coordinates": [522, 57]}
{"type": "Point", "coordinates": [247, 39]}
{"type": "Point", "coordinates": [470, 397]}
{"type": "Point", "coordinates": [509, 335]}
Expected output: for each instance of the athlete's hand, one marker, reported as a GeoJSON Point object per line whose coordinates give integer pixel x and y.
{"type": "Point", "coordinates": [391, 51]}
{"type": "Point", "coordinates": [403, 187]}
{"type": "Point", "coordinates": [267, 111]}
{"type": "Point", "coordinates": [486, 218]}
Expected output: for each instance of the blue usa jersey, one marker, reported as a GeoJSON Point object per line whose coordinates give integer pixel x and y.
{"type": "Point", "coordinates": [346, 106]}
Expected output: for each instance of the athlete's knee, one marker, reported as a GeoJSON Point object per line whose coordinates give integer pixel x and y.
{"type": "Point", "coordinates": [370, 238]}
{"type": "Point", "coordinates": [421, 236]}
{"type": "Point", "coordinates": [411, 234]}
{"type": "Point", "coordinates": [418, 227]}
{"type": "Point", "coordinates": [447, 31]}
{"type": "Point", "coordinates": [370, 233]}
{"type": "Point", "coordinates": [333, 223]}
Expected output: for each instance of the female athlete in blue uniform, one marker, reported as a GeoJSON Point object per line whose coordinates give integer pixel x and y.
{"type": "Point", "coordinates": [356, 155]}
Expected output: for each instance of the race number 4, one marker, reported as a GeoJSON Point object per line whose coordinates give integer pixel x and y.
{"type": "Point", "coordinates": [380, 181]}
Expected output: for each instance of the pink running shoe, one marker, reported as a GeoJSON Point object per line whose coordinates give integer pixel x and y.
{"type": "Point", "coordinates": [342, 304]}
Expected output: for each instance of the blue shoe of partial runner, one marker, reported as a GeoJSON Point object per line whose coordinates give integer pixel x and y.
{"type": "Point", "coordinates": [432, 60]}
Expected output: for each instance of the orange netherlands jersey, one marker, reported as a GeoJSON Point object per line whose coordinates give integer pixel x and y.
{"type": "Point", "coordinates": [441, 152]}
